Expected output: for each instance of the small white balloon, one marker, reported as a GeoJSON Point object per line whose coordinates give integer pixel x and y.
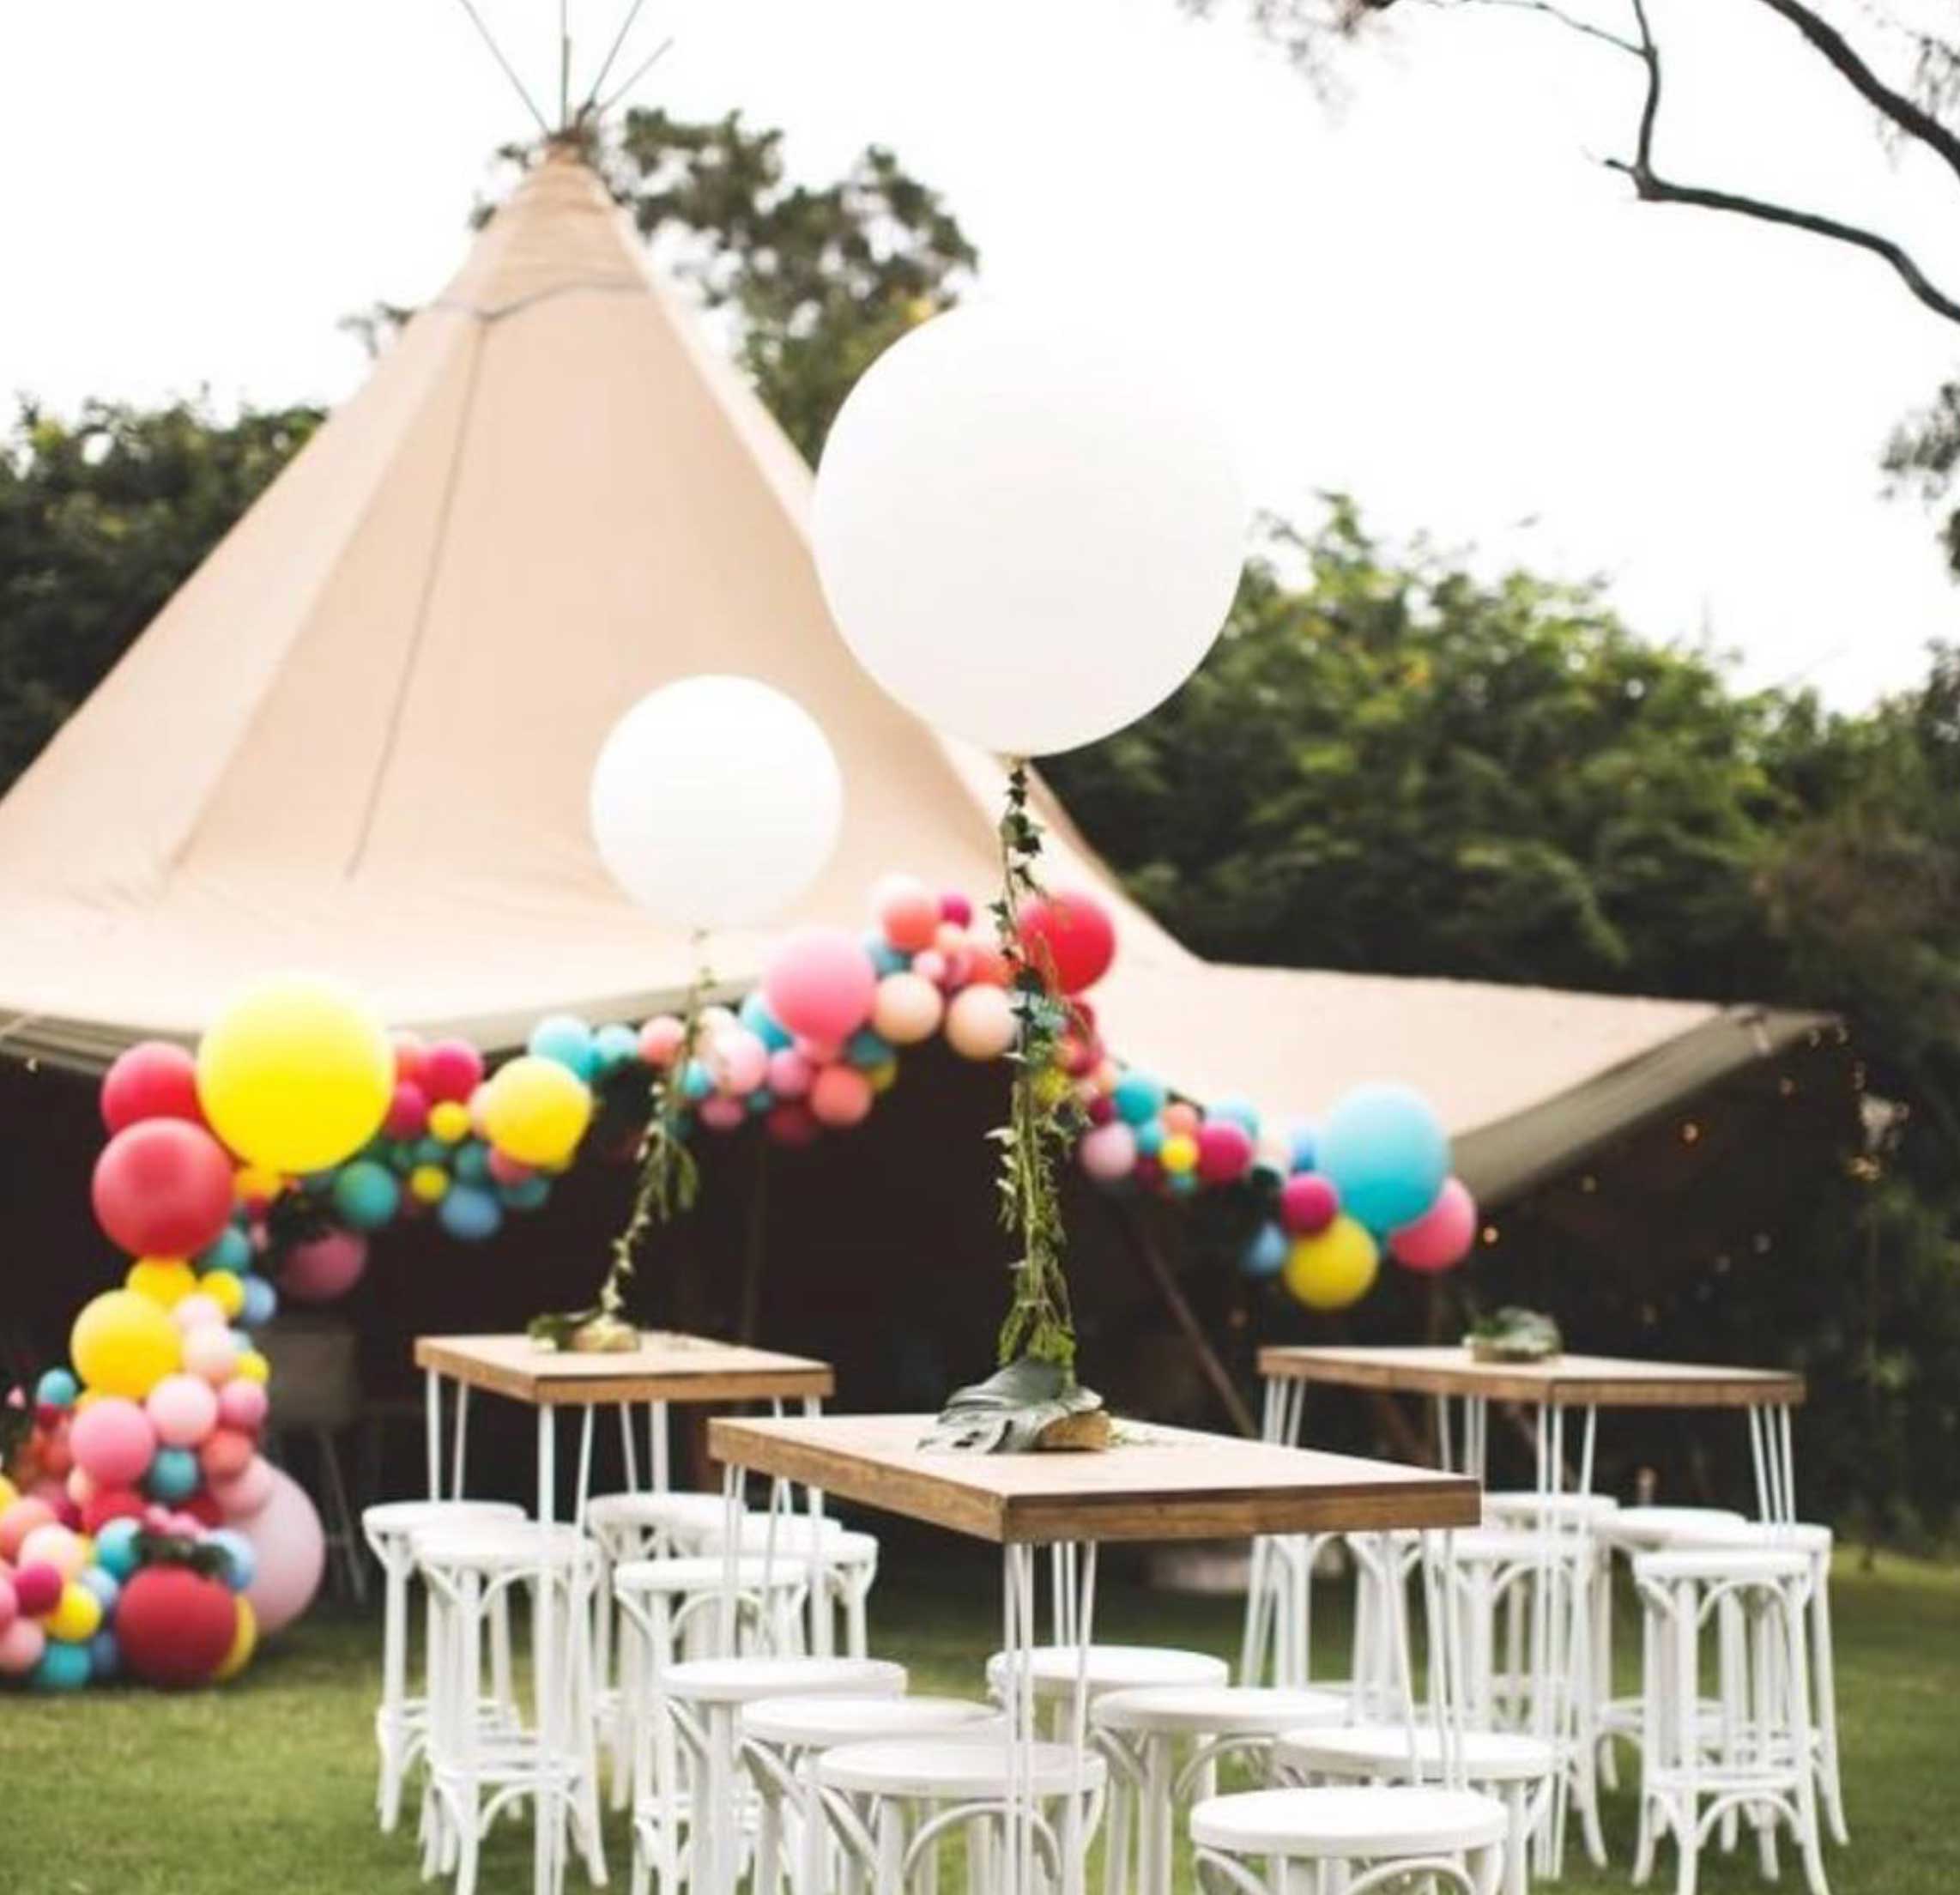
{"type": "Point", "coordinates": [1028, 533]}
{"type": "Point", "coordinates": [715, 802]}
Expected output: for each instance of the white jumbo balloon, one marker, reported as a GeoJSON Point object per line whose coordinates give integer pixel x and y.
{"type": "Point", "coordinates": [1028, 535]}
{"type": "Point", "coordinates": [715, 801]}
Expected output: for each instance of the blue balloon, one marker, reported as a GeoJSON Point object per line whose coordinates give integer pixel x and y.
{"type": "Point", "coordinates": [241, 1563]}
{"type": "Point", "coordinates": [261, 1302]}
{"type": "Point", "coordinates": [173, 1475]}
{"type": "Point", "coordinates": [1240, 1112]}
{"type": "Point", "coordinates": [431, 1150]}
{"type": "Point", "coordinates": [1150, 1138]}
{"type": "Point", "coordinates": [867, 1049]}
{"type": "Point", "coordinates": [62, 1667]}
{"type": "Point", "coordinates": [756, 1016]}
{"type": "Point", "coordinates": [470, 1161]}
{"type": "Point", "coordinates": [103, 1585]}
{"type": "Point", "coordinates": [116, 1547]}
{"type": "Point", "coordinates": [615, 1046]}
{"type": "Point", "coordinates": [231, 1252]}
{"type": "Point", "coordinates": [1386, 1153]}
{"type": "Point", "coordinates": [105, 1655]}
{"type": "Point", "coordinates": [567, 1039]}
{"type": "Point", "coordinates": [1137, 1097]}
{"type": "Point", "coordinates": [365, 1194]}
{"type": "Point", "coordinates": [1303, 1141]}
{"type": "Point", "coordinates": [528, 1195]}
{"type": "Point", "coordinates": [884, 958]}
{"type": "Point", "coordinates": [1266, 1254]}
{"type": "Point", "coordinates": [57, 1388]}
{"type": "Point", "coordinates": [470, 1213]}
{"type": "Point", "coordinates": [696, 1081]}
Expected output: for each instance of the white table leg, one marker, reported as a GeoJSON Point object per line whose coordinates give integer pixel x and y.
{"type": "Point", "coordinates": [432, 1426]}
{"type": "Point", "coordinates": [823, 1619]}
{"type": "Point", "coordinates": [547, 1810]}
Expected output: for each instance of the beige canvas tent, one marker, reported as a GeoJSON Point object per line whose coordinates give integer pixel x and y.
{"type": "Point", "coordinates": [358, 739]}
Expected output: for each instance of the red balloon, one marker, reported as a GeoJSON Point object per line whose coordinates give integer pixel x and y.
{"type": "Point", "coordinates": [175, 1627]}
{"type": "Point", "coordinates": [1069, 939]}
{"type": "Point", "coordinates": [411, 1057]}
{"type": "Point", "coordinates": [451, 1070]}
{"type": "Point", "coordinates": [791, 1122]}
{"type": "Point", "coordinates": [153, 1079]}
{"type": "Point", "coordinates": [111, 1504]}
{"type": "Point", "coordinates": [408, 1110]}
{"type": "Point", "coordinates": [163, 1189]}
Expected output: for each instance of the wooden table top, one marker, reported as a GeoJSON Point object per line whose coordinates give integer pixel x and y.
{"type": "Point", "coordinates": [1156, 1483]}
{"type": "Point", "coordinates": [667, 1367]}
{"type": "Point", "coordinates": [1578, 1381]}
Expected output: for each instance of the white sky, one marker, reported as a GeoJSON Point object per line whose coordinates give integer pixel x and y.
{"type": "Point", "coordinates": [1432, 297]}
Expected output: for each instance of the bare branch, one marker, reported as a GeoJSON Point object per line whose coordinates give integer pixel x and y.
{"type": "Point", "coordinates": [1899, 108]}
{"type": "Point", "coordinates": [1570, 21]}
{"type": "Point", "coordinates": [1652, 188]}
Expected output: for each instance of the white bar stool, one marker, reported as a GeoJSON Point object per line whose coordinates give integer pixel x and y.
{"type": "Point", "coordinates": [402, 1721]}
{"type": "Point", "coordinates": [695, 1780]}
{"type": "Point", "coordinates": [891, 1804]}
{"type": "Point", "coordinates": [781, 1740]}
{"type": "Point", "coordinates": [1757, 1758]}
{"type": "Point", "coordinates": [1367, 1837]}
{"type": "Point", "coordinates": [1053, 1670]}
{"type": "Point", "coordinates": [477, 1768]}
{"type": "Point", "coordinates": [1517, 1770]}
{"type": "Point", "coordinates": [1139, 1730]}
{"type": "Point", "coordinates": [847, 1565]}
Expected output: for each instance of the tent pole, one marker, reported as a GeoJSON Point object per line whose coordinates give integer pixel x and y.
{"type": "Point", "coordinates": [1147, 1254]}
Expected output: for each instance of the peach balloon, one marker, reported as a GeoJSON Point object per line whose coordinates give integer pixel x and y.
{"type": "Point", "coordinates": [980, 1023]}
{"type": "Point", "coordinates": [840, 1096]}
{"type": "Point", "coordinates": [908, 1009]}
{"type": "Point", "coordinates": [907, 912]}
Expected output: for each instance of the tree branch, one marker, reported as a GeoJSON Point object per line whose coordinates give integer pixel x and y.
{"type": "Point", "coordinates": [1652, 188]}
{"type": "Point", "coordinates": [1572, 20]}
{"type": "Point", "coordinates": [1900, 108]}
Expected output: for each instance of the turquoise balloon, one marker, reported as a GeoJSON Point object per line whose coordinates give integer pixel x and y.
{"type": "Point", "coordinates": [105, 1655]}
{"type": "Point", "coordinates": [470, 1213]}
{"type": "Point", "coordinates": [614, 1047]}
{"type": "Point", "coordinates": [1137, 1097]}
{"type": "Point", "coordinates": [62, 1667]}
{"type": "Point", "coordinates": [756, 1016]}
{"type": "Point", "coordinates": [867, 1049]}
{"type": "Point", "coordinates": [526, 1195]}
{"type": "Point", "coordinates": [116, 1547]}
{"type": "Point", "coordinates": [57, 1388]}
{"type": "Point", "coordinates": [884, 958]}
{"type": "Point", "coordinates": [760, 1101]}
{"type": "Point", "coordinates": [365, 1194]}
{"type": "Point", "coordinates": [567, 1039]}
{"type": "Point", "coordinates": [1386, 1152]}
{"type": "Point", "coordinates": [431, 1151]}
{"type": "Point", "coordinates": [232, 1252]}
{"type": "Point", "coordinates": [173, 1475]}
{"type": "Point", "coordinates": [241, 1562]}
{"type": "Point", "coordinates": [1181, 1183]}
{"type": "Point", "coordinates": [1266, 1254]}
{"type": "Point", "coordinates": [1239, 1113]}
{"type": "Point", "coordinates": [1150, 1137]}
{"type": "Point", "coordinates": [471, 1162]}
{"type": "Point", "coordinates": [696, 1081]}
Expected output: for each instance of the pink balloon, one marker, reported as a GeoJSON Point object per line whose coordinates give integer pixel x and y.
{"type": "Point", "coordinates": [506, 1170]}
{"type": "Point", "coordinates": [840, 1096]}
{"type": "Point", "coordinates": [659, 1040]}
{"type": "Point", "coordinates": [183, 1409]}
{"type": "Point", "coordinates": [1441, 1238]}
{"type": "Point", "coordinates": [242, 1404]}
{"type": "Point", "coordinates": [21, 1648]}
{"type": "Point", "coordinates": [908, 1009]}
{"type": "Point", "coordinates": [199, 1311]}
{"type": "Point", "coordinates": [1224, 1150]}
{"type": "Point", "coordinates": [907, 911]}
{"type": "Point", "coordinates": [9, 1604]}
{"type": "Point", "coordinates": [955, 907]}
{"type": "Point", "coordinates": [820, 983]}
{"type": "Point", "coordinates": [451, 1068]}
{"type": "Point", "coordinates": [738, 1060]}
{"type": "Point", "coordinates": [789, 1073]}
{"type": "Point", "coordinates": [291, 1551]}
{"type": "Point", "coordinates": [1308, 1203]}
{"type": "Point", "coordinates": [408, 1110]}
{"type": "Point", "coordinates": [720, 1113]}
{"type": "Point", "coordinates": [323, 1268]}
{"type": "Point", "coordinates": [980, 1023]}
{"type": "Point", "coordinates": [113, 1441]}
{"type": "Point", "coordinates": [241, 1498]}
{"type": "Point", "coordinates": [1109, 1152]}
{"type": "Point", "coordinates": [226, 1456]}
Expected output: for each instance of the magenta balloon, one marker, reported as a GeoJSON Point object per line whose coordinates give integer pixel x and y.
{"type": "Point", "coordinates": [1441, 1238]}
{"type": "Point", "coordinates": [325, 1267]}
{"type": "Point", "coordinates": [290, 1550]}
{"type": "Point", "coordinates": [1308, 1203]}
{"type": "Point", "coordinates": [789, 1073]}
{"type": "Point", "coordinates": [1224, 1150]}
{"type": "Point", "coordinates": [820, 984]}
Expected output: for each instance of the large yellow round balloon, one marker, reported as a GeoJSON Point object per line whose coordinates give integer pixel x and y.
{"type": "Point", "coordinates": [536, 1111]}
{"type": "Point", "coordinates": [244, 1641]}
{"type": "Point", "coordinates": [1333, 1267]}
{"type": "Point", "coordinates": [296, 1073]}
{"type": "Point", "coordinates": [123, 1343]}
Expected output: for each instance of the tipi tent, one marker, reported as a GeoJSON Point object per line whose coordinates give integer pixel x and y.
{"type": "Point", "coordinates": [358, 740]}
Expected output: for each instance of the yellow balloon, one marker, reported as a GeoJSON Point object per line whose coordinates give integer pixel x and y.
{"type": "Point", "coordinates": [257, 1183]}
{"type": "Point", "coordinates": [77, 1614]}
{"type": "Point", "coordinates": [252, 1366]}
{"type": "Point", "coordinates": [244, 1641]}
{"type": "Point", "coordinates": [448, 1120]}
{"type": "Point", "coordinates": [1178, 1152]}
{"type": "Point", "coordinates": [1334, 1267]}
{"type": "Point", "coordinates": [124, 1344]}
{"type": "Point", "coordinates": [884, 1076]}
{"type": "Point", "coordinates": [296, 1073]}
{"type": "Point", "coordinates": [536, 1111]}
{"type": "Point", "coordinates": [226, 1290]}
{"type": "Point", "coordinates": [9, 1493]}
{"type": "Point", "coordinates": [429, 1183]}
{"type": "Point", "coordinates": [166, 1280]}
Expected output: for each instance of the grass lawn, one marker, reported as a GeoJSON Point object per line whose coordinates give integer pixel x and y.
{"type": "Point", "coordinates": [266, 1788]}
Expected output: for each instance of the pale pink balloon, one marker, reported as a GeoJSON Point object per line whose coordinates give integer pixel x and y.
{"type": "Point", "coordinates": [820, 982]}
{"type": "Point", "coordinates": [21, 1648]}
{"type": "Point", "coordinates": [291, 1554]}
{"type": "Point", "coordinates": [199, 1311]}
{"type": "Point", "coordinates": [931, 965]}
{"type": "Point", "coordinates": [243, 1404]}
{"type": "Point", "coordinates": [720, 1113]}
{"type": "Point", "coordinates": [113, 1441]}
{"type": "Point", "coordinates": [738, 1061]}
{"type": "Point", "coordinates": [1109, 1152]}
{"type": "Point", "coordinates": [789, 1073]}
{"type": "Point", "coordinates": [659, 1040]}
{"type": "Point", "coordinates": [908, 1009]}
{"type": "Point", "coordinates": [324, 1267]}
{"type": "Point", "coordinates": [1441, 1238]}
{"type": "Point", "coordinates": [980, 1023]}
{"type": "Point", "coordinates": [183, 1409]}
{"type": "Point", "coordinates": [840, 1096]}
{"type": "Point", "coordinates": [211, 1354]}
{"type": "Point", "coordinates": [55, 1545]}
{"type": "Point", "coordinates": [240, 1498]}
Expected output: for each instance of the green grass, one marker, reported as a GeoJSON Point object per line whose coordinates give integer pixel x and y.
{"type": "Point", "coordinates": [266, 1788]}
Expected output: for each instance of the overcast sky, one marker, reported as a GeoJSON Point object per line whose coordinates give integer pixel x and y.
{"type": "Point", "coordinates": [1432, 297]}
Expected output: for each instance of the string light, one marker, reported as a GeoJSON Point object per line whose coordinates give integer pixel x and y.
{"type": "Point", "coordinates": [1690, 1131]}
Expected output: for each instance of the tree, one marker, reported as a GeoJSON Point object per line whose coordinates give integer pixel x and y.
{"type": "Point", "coordinates": [1895, 66]}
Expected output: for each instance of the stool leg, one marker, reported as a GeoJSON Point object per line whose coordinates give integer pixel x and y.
{"type": "Point", "coordinates": [390, 1724]}
{"type": "Point", "coordinates": [1793, 1608]}
{"type": "Point", "coordinates": [891, 1831]}
{"type": "Point", "coordinates": [1824, 1683]}
{"type": "Point", "coordinates": [1686, 1707]}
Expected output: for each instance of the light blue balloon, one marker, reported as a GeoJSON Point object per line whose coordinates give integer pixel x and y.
{"type": "Point", "coordinates": [103, 1585]}
{"type": "Point", "coordinates": [1150, 1137]}
{"type": "Point", "coordinates": [62, 1667]}
{"type": "Point", "coordinates": [696, 1081]}
{"type": "Point", "coordinates": [567, 1039]}
{"type": "Point", "coordinates": [470, 1213]}
{"type": "Point", "coordinates": [867, 1049]}
{"type": "Point", "coordinates": [1239, 1113]}
{"type": "Point", "coordinates": [173, 1474]}
{"type": "Point", "coordinates": [116, 1547]}
{"type": "Point", "coordinates": [241, 1563]}
{"type": "Point", "coordinates": [105, 1655]}
{"type": "Point", "coordinates": [261, 1302]}
{"type": "Point", "coordinates": [1386, 1153]}
{"type": "Point", "coordinates": [1303, 1141]}
{"type": "Point", "coordinates": [884, 958]}
{"type": "Point", "coordinates": [527, 1194]}
{"type": "Point", "coordinates": [615, 1046]}
{"type": "Point", "coordinates": [756, 1016]}
{"type": "Point", "coordinates": [231, 1252]}
{"type": "Point", "coordinates": [365, 1194]}
{"type": "Point", "coordinates": [1266, 1254]}
{"type": "Point", "coordinates": [57, 1388]}
{"type": "Point", "coordinates": [1137, 1097]}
